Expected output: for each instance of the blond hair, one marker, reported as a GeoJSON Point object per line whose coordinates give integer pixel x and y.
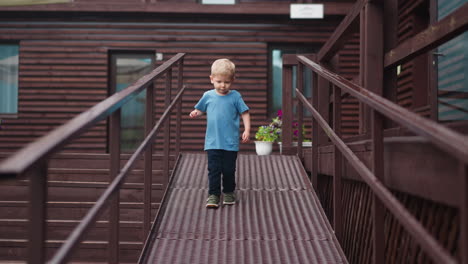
{"type": "Point", "coordinates": [223, 67]}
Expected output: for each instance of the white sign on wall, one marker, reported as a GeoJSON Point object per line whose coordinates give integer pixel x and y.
{"type": "Point", "coordinates": [218, 2]}
{"type": "Point", "coordinates": [306, 11]}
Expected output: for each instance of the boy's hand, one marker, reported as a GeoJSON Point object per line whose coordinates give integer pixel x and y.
{"type": "Point", "coordinates": [195, 113]}
{"type": "Point", "coordinates": [246, 120]}
{"type": "Point", "coordinates": [245, 136]}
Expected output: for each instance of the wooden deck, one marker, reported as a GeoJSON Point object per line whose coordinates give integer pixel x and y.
{"type": "Point", "coordinates": [277, 219]}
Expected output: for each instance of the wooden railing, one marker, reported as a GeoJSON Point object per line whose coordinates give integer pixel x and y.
{"type": "Point", "coordinates": [32, 162]}
{"type": "Point", "coordinates": [379, 57]}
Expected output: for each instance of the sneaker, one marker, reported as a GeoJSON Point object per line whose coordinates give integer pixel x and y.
{"type": "Point", "coordinates": [212, 201]}
{"type": "Point", "coordinates": [229, 198]}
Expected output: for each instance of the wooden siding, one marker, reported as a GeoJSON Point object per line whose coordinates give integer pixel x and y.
{"type": "Point", "coordinates": [64, 66]}
{"type": "Point", "coordinates": [242, 7]}
{"type": "Point", "coordinates": [410, 78]}
{"type": "Point", "coordinates": [412, 82]}
{"type": "Point", "coordinates": [348, 67]}
{"type": "Point", "coordinates": [413, 73]}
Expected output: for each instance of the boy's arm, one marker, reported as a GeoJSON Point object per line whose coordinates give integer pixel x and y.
{"type": "Point", "coordinates": [196, 113]}
{"type": "Point", "coordinates": [246, 120]}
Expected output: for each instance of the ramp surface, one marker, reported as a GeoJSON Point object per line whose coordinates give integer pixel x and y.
{"type": "Point", "coordinates": [277, 218]}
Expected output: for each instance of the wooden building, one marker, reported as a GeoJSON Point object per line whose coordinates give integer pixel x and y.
{"type": "Point", "coordinates": [59, 60]}
{"type": "Point", "coordinates": [67, 54]}
{"type": "Point", "coordinates": [65, 58]}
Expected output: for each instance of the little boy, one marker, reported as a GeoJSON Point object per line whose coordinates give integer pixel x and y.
{"type": "Point", "coordinates": [223, 107]}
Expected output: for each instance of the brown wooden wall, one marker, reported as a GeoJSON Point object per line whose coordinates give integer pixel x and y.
{"type": "Point", "coordinates": [413, 81]}
{"type": "Point", "coordinates": [348, 67]}
{"type": "Point", "coordinates": [64, 64]}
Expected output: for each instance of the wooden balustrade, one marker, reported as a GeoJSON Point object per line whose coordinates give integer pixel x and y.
{"type": "Point", "coordinates": [379, 57]}
{"type": "Point", "coordinates": [31, 161]}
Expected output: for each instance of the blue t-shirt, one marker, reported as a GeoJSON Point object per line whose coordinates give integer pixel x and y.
{"type": "Point", "coordinates": [223, 112]}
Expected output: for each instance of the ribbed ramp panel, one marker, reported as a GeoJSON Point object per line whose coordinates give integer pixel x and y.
{"type": "Point", "coordinates": [277, 219]}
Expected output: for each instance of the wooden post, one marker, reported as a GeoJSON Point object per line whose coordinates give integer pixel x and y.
{"type": "Point", "coordinates": [420, 94]}
{"type": "Point", "coordinates": [300, 109]}
{"type": "Point", "coordinates": [148, 170]}
{"type": "Point", "coordinates": [287, 104]}
{"type": "Point", "coordinates": [390, 41]}
{"type": "Point", "coordinates": [338, 163]}
{"type": "Point", "coordinates": [324, 98]}
{"type": "Point", "coordinates": [323, 106]}
{"type": "Point", "coordinates": [167, 127]}
{"type": "Point", "coordinates": [362, 49]}
{"type": "Point", "coordinates": [180, 78]}
{"type": "Point", "coordinates": [114, 214]}
{"type": "Point", "coordinates": [463, 240]}
{"type": "Point", "coordinates": [37, 213]}
{"type": "Point", "coordinates": [315, 131]}
{"type": "Point", "coordinates": [373, 81]}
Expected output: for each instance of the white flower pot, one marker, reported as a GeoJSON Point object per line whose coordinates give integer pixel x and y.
{"type": "Point", "coordinates": [263, 147]}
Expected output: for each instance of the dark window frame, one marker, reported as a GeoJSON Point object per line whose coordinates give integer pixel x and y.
{"type": "Point", "coordinates": [299, 48]}
{"type": "Point", "coordinates": [13, 115]}
{"type": "Point", "coordinates": [113, 55]}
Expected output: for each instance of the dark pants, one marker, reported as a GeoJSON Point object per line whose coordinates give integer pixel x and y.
{"type": "Point", "coordinates": [221, 162]}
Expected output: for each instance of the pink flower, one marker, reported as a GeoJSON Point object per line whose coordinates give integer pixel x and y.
{"type": "Point", "coordinates": [280, 113]}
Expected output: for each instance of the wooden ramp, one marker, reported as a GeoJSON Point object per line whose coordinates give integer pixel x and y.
{"type": "Point", "coordinates": [277, 219]}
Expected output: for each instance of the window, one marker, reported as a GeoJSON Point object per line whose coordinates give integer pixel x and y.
{"type": "Point", "coordinates": [452, 69]}
{"type": "Point", "coordinates": [126, 68]}
{"type": "Point", "coordinates": [276, 76]}
{"type": "Point", "coordinates": [9, 79]}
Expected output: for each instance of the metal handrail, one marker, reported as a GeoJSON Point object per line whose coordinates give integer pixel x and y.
{"type": "Point", "coordinates": [32, 161]}
{"type": "Point", "coordinates": [407, 220]}
{"type": "Point", "coordinates": [28, 156]}
{"type": "Point", "coordinates": [452, 142]}
{"type": "Point", "coordinates": [380, 49]}
{"type": "Point", "coordinates": [78, 232]}
{"type": "Point", "coordinates": [447, 139]}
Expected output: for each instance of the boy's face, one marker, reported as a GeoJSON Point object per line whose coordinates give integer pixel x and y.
{"type": "Point", "coordinates": [221, 83]}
